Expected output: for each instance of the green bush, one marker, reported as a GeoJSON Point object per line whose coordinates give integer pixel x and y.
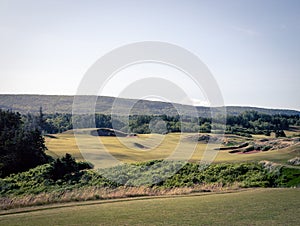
{"type": "Point", "coordinates": [37, 180]}
{"type": "Point", "coordinates": [266, 148]}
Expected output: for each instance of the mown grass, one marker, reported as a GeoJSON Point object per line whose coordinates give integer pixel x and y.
{"type": "Point", "coordinates": [251, 207]}
{"type": "Point", "coordinates": [126, 149]}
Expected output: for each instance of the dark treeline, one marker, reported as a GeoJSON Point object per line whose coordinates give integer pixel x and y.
{"type": "Point", "coordinates": [21, 143]}
{"type": "Point", "coordinates": [255, 123]}
{"type": "Point", "coordinates": [244, 124]}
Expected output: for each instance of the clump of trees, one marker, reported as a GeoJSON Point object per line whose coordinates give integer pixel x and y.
{"type": "Point", "coordinates": [66, 166]}
{"type": "Point", "coordinates": [252, 122]}
{"type": "Point", "coordinates": [21, 145]}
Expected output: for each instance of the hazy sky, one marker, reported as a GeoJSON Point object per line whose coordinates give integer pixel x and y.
{"type": "Point", "coordinates": [251, 47]}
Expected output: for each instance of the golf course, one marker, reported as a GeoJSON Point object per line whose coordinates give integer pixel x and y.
{"type": "Point", "coordinates": [145, 147]}
{"type": "Point", "coordinates": [244, 207]}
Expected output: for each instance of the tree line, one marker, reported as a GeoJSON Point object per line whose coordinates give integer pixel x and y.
{"type": "Point", "coordinates": [244, 124]}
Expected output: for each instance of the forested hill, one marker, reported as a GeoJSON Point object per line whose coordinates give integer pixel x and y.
{"type": "Point", "coordinates": [63, 104]}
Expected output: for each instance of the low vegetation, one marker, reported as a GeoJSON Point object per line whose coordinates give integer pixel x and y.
{"type": "Point", "coordinates": [131, 179]}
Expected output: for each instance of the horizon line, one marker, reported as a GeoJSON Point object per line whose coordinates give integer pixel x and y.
{"type": "Point", "coordinates": [230, 105]}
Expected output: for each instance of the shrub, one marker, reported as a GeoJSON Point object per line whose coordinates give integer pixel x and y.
{"type": "Point", "coordinates": [65, 166]}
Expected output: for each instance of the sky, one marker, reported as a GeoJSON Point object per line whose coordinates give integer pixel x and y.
{"type": "Point", "coordinates": [251, 47]}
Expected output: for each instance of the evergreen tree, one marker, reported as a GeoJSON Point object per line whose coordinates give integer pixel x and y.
{"type": "Point", "coordinates": [21, 148]}
{"type": "Point", "coordinates": [65, 167]}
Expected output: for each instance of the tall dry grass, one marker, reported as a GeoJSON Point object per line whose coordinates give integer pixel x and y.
{"type": "Point", "coordinates": [98, 193]}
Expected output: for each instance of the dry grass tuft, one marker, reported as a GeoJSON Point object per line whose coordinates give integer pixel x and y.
{"type": "Point", "coordinates": [98, 193]}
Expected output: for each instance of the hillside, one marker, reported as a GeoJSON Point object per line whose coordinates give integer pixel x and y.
{"type": "Point", "coordinates": [63, 104]}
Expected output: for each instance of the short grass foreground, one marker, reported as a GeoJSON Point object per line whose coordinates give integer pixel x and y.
{"type": "Point", "coordinates": [250, 207]}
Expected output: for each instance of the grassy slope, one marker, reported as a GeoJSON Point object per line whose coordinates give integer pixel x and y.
{"type": "Point", "coordinates": [252, 207]}
{"type": "Point", "coordinates": [125, 149]}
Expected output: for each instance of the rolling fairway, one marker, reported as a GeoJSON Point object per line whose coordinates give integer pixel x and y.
{"type": "Point", "coordinates": [250, 207]}
{"type": "Point", "coordinates": [147, 147]}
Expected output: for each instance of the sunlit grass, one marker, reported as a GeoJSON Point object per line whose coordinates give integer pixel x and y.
{"type": "Point", "coordinates": [252, 207]}
{"type": "Point", "coordinates": [153, 146]}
